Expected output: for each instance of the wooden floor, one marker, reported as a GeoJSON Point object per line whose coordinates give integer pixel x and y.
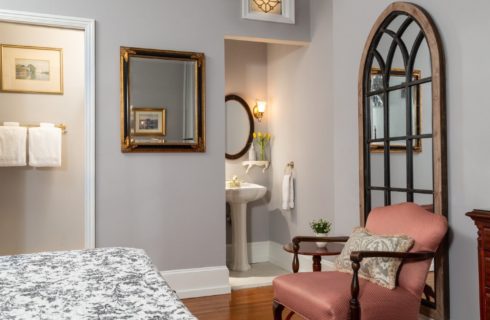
{"type": "Point", "coordinates": [246, 304]}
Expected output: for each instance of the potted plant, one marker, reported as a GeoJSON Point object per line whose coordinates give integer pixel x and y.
{"type": "Point", "coordinates": [321, 228]}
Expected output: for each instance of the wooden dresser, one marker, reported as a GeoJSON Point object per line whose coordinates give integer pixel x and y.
{"type": "Point", "coordinates": [482, 221]}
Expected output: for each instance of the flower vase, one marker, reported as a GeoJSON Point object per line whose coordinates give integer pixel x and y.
{"type": "Point", "coordinates": [321, 244]}
{"type": "Point", "coordinates": [262, 153]}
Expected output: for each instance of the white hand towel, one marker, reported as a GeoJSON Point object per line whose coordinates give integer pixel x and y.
{"type": "Point", "coordinates": [45, 146]}
{"type": "Point", "coordinates": [287, 192]}
{"type": "Point", "coordinates": [12, 145]}
{"type": "Point", "coordinates": [291, 192]}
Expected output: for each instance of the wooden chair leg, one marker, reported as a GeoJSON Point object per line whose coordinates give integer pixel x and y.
{"type": "Point", "coordinates": [277, 309]}
{"type": "Point", "coordinates": [355, 308]}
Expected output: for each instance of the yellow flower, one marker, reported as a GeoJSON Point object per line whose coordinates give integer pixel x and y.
{"type": "Point", "coordinates": [255, 135]}
{"type": "Point", "coordinates": [260, 134]}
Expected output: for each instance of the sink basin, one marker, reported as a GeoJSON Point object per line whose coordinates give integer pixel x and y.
{"type": "Point", "coordinates": [245, 193]}
{"type": "Point", "coordinates": [238, 197]}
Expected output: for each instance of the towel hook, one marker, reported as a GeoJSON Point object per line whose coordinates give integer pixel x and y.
{"type": "Point", "coordinates": [289, 167]}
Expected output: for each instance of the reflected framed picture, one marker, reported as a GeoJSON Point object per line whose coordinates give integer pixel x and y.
{"type": "Point", "coordinates": [269, 10]}
{"type": "Point", "coordinates": [26, 69]}
{"type": "Point", "coordinates": [149, 122]}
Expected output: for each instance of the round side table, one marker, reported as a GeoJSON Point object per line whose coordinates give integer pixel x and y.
{"type": "Point", "coordinates": [311, 249]}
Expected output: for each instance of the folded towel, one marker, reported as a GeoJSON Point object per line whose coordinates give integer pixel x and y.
{"type": "Point", "coordinates": [45, 146]}
{"type": "Point", "coordinates": [12, 145]}
{"type": "Point", "coordinates": [287, 192]}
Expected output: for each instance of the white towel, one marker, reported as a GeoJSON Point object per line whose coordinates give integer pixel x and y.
{"type": "Point", "coordinates": [12, 145]}
{"type": "Point", "coordinates": [45, 146]}
{"type": "Point", "coordinates": [287, 192]}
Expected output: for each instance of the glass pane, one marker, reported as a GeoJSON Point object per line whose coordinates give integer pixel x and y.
{"type": "Point", "coordinates": [423, 61]}
{"type": "Point", "coordinates": [377, 199]}
{"type": "Point", "coordinates": [377, 167]}
{"type": "Point", "coordinates": [396, 23]}
{"type": "Point", "coordinates": [429, 293]}
{"type": "Point", "coordinates": [398, 197]}
{"type": "Point", "coordinates": [424, 200]}
{"type": "Point", "coordinates": [376, 78]}
{"type": "Point", "coordinates": [423, 165]}
{"type": "Point", "coordinates": [397, 116]}
{"type": "Point", "coordinates": [377, 114]}
{"type": "Point", "coordinates": [398, 64]}
{"type": "Point", "coordinates": [425, 102]}
{"type": "Point", "coordinates": [384, 46]}
{"type": "Point", "coordinates": [410, 35]}
{"type": "Point", "coordinates": [398, 169]}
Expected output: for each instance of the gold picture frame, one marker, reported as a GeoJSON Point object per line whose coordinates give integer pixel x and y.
{"type": "Point", "coordinates": [282, 11]}
{"type": "Point", "coordinates": [149, 121]}
{"type": "Point", "coordinates": [28, 69]}
{"type": "Point", "coordinates": [416, 111]}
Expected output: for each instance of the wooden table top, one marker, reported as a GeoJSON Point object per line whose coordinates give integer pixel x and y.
{"type": "Point", "coordinates": [311, 249]}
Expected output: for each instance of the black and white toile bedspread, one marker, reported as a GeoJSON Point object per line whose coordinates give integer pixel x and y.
{"type": "Point", "coordinates": [106, 283]}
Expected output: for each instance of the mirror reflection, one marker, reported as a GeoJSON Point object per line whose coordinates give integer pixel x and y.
{"type": "Point", "coordinates": [162, 101]}
{"type": "Point", "coordinates": [239, 126]}
{"type": "Point", "coordinates": [397, 111]}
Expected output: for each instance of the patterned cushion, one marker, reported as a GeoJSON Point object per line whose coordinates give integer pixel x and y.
{"type": "Point", "coordinates": [381, 271]}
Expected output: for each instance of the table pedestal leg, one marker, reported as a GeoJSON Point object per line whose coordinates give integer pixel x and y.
{"type": "Point", "coordinates": [317, 263]}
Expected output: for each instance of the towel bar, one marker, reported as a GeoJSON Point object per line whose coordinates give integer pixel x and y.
{"type": "Point", "coordinates": [62, 126]}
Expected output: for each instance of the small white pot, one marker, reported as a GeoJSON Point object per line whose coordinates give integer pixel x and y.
{"type": "Point", "coordinates": [321, 244]}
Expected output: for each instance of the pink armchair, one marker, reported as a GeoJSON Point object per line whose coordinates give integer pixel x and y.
{"type": "Point", "coordinates": [338, 296]}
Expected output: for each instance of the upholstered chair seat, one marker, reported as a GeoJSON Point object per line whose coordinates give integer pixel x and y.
{"type": "Point", "coordinates": [330, 301]}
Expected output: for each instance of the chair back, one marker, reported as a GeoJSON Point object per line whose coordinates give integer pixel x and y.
{"type": "Point", "coordinates": [426, 228]}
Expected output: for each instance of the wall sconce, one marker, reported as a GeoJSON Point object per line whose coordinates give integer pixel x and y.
{"type": "Point", "coordinates": [259, 109]}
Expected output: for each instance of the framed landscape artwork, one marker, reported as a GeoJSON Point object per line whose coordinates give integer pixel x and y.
{"type": "Point", "coordinates": [149, 121]}
{"type": "Point", "coordinates": [31, 69]}
{"type": "Point", "coordinates": [269, 10]}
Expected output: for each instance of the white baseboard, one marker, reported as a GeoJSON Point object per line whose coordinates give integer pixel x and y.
{"type": "Point", "coordinates": [257, 252]}
{"type": "Point", "coordinates": [198, 282]}
{"type": "Point", "coordinates": [283, 259]}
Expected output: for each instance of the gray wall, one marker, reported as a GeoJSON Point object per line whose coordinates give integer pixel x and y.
{"type": "Point", "coordinates": [150, 200]}
{"type": "Point", "coordinates": [462, 26]}
{"type": "Point", "coordinates": [301, 120]}
{"type": "Point", "coordinates": [246, 76]}
{"type": "Point", "coordinates": [42, 209]}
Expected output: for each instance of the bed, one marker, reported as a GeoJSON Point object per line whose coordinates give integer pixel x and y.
{"type": "Point", "coordinates": [104, 283]}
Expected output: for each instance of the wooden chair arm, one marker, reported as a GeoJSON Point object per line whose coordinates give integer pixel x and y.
{"type": "Point", "coordinates": [412, 256]}
{"type": "Point", "coordinates": [356, 258]}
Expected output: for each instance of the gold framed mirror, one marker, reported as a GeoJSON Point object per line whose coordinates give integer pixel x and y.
{"type": "Point", "coordinates": [404, 40]}
{"type": "Point", "coordinates": [162, 101]}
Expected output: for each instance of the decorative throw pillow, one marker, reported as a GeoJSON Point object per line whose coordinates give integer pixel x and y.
{"type": "Point", "coordinates": [381, 271]}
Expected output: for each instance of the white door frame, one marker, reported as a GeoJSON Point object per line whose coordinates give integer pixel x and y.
{"type": "Point", "coordinates": [88, 26]}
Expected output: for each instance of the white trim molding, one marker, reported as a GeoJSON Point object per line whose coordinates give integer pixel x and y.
{"type": "Point", "coordinates": [88, 26]}
{"type": "Point", "coordinates": [287, 15]}
{"type": "Point", "coordinates": [198, 282]}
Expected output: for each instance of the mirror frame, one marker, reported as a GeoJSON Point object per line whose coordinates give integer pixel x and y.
{"type": "Point", "coordinates": [251, 121]}
{"type": "Point", "coordinates": [127, 145]}
{"type": "Point", "coordinates": [440, 205]}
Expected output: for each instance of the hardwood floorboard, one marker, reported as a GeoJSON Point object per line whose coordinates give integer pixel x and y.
{"type": "Point", "coordinates": [245, 304]}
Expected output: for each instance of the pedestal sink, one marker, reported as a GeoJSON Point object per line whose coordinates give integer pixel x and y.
{"type": "Point", "coordinates": [238, 197]}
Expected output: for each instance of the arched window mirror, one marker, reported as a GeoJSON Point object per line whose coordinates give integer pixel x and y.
{"type": "Point", "coordinates": [402, 127]}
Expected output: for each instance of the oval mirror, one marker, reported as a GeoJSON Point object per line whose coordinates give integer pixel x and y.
{"type": "Point", "coordinates": [239, 126]}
